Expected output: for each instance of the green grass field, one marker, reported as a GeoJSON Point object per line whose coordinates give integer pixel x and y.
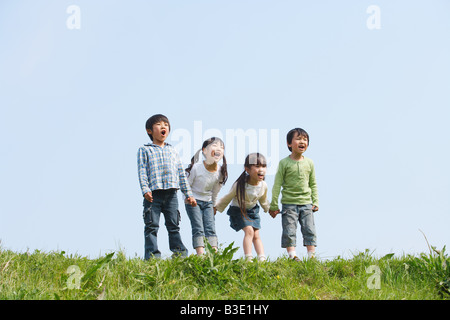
{"type": "Point", "coordinates": [220, 276]}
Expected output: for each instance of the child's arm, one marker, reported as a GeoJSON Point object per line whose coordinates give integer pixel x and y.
{"type": "Point", "coordinates": [313, 187]}
{"type": "Point", "coordinates": [215, 192]}
{"type": "Point", "coordinates": [184, 185]}
{"type": "Point", "coordinates": [142, 160]}
{"type": "Point", "coordinates": [264, 201]}
{"type": "Point", "coordinates": [278, 182]}
{"type": "Point", "coordinates": [225, 200]}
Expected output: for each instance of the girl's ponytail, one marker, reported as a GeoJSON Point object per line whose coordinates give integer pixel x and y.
{"type": "Point", "coordinates": [223, 170]}
{"type": "Point", "coordinates": [194, 159]}
{"type": "Point", "coordinates": [240, 193]}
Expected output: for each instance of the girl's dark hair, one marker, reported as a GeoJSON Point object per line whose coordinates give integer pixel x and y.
{"type": "Point", "coordinates": [223, 168]}
{"type": "Point", "coordinates": [155, 119]}
{"type": "Point", "coordinates": [291, 134]}
{"type": "Point", "coordinates": [253, 159]}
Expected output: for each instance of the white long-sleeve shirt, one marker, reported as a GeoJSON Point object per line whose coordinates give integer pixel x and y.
{"type": "Point", "coordinates": [205, 185]}
{"type": "Point", "coordinates": [253, 194]}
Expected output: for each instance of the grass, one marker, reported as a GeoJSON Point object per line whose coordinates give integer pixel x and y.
{"type": "Point", "coordinates": [217, 276]}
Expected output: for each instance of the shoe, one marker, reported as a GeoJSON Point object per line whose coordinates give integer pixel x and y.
{"type": "Point", "coordinates": [261, 258]}
{"type": "Point", "coordinates": [295, 258]}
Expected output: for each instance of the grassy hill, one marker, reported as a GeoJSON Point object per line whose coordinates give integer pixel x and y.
{"type": "Point", "coordinates": [217, 276]}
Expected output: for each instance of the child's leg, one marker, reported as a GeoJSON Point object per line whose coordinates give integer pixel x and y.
{"type": "Point", "coordinates": [259, 248]}
{"type": "Point", "coordinates": [248, 240]}
{"type": "Point", "coordinates": [200, 250]}
{"type": "Point", "coordinates": [152, 212]}
{"type": "Point", "coordinates": [209, 224]}
{"type": "Point", "coordinates": [308, 229]}
{"type": "Point", "coordinates": [172, 221]}
{"type": "Point", "coordinates": [289, 220]}
{"type": "Point", "coordinates": [291, 252]}
{"type": "Point", "coordinates": [196, 217]}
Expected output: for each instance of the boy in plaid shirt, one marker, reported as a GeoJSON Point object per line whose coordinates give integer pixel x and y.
{"type": "Point", "coordinates": [160, 176]}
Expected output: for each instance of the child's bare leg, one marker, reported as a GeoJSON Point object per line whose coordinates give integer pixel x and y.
{"type": "Point", "coordinates": [291, 252]}
{"type": "Point", "coordinates": [311, 250]}
{"type": "Point", "coordinates": [200, 250]}
{"type": "Point", "coordinates": [248, 239]}
{"type": "Point", "coordinates": [259, 248]}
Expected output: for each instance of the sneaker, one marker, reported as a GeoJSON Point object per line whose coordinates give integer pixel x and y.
{"type": "Point", "coordinates": [295, 258]}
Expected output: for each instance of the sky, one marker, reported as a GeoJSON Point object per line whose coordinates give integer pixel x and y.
{"type": "Point", "coordinates": [368, 80]}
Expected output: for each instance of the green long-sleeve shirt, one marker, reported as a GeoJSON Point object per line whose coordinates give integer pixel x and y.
{"type": "Point", "coordinates": [297, 182]}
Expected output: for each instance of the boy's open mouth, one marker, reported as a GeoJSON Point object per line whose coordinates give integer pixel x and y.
{"type": "Point", "coordinates": [260, 175]}
{"type": "Point", "coordinates": [163, 132]}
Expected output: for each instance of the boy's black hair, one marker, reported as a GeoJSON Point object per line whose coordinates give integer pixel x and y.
{"type": "Point", "coordinates": [155, 119]}
{"type": "Point", "coordinates": [291, 134]}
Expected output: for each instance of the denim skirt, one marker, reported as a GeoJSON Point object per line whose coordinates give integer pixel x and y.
{"type": "Point", "coordinates": [237, 221]}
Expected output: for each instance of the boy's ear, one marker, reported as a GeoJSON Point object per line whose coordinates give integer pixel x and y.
{"type": "Point", "coordinates": [149, 131]}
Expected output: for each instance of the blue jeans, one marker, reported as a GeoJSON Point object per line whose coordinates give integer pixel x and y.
{"type": "Point", "coordinates": [203, 223]}
{"type": "Point", "coordinates": [166, 202]}
{"type": "Point", "coordinates": [291, 214]}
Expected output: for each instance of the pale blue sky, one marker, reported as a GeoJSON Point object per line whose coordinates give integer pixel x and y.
{"type": "Point", "coordinates": [376, 104]}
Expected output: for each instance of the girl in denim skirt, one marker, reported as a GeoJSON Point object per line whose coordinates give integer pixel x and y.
{"type": "Point", "coordinates": [206, 179]}
{"type": "Point", "coordinates": [249, 189]}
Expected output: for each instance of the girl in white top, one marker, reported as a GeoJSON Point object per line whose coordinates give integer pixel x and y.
{"type": "Point", "coordinates": [249, 189]}
{"type": "Point", "coordinates": [206, 179]}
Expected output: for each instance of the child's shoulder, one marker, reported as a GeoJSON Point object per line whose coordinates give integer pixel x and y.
{"type": "Point", "coordinates": [308, 160]}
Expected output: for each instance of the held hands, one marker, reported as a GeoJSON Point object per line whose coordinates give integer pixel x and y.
{"type": "Point", "coordinates": [274, 213]}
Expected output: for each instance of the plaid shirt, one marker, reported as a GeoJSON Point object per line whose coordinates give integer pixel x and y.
{"type": "Point", "coordinates": [161, 168]}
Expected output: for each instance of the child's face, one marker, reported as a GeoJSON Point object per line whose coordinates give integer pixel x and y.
{"type": "Point", "coordinates": [159, 131]}
{"type": "Point", "coordinates": [256, 172]}
{"type": "Point", "coordinates": [299, 143]}
{"type": "Point", "coordinates": [213, 152]}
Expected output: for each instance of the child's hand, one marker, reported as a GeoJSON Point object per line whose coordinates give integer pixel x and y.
{"type": "Point", "coordinates": [274, 213]}
{"type": "Point", "coordinates": [148, 196]}
{"type": "Point", "coordinates": [315, 208]}
{"type": "Point", "coordinates": [191, 201]}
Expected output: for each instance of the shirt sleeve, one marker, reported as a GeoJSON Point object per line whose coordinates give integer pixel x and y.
{"type": "Point", "coordinates": [264, 201]}
{"type": "Point", "coordinates": [278, 181]}
{"type": "Point", "coordinates": [215, 190]}
{"type": "Point", "coordinates": [142, 161]}
{"type": "Point", "coordinates": [225, 200]}
{"type": "Point", "coordinates": [184, 185]}
{"type": "Point", "coordinates": [313, 186]}
{"type": "Point", "coordinates": [191, 175]}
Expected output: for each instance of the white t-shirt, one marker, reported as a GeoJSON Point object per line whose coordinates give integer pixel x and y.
{"type": "Point", "coordinates": [253, 194]}
{"type": "Point", "coordinates": [205, 185]}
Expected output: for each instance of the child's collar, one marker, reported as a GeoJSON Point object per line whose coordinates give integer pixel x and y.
{"type": "Point", "coordinates": [152, 144]}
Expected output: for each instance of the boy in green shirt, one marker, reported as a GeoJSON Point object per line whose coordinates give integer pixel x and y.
{"type": "Point", "coordinates": [299, 196]}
